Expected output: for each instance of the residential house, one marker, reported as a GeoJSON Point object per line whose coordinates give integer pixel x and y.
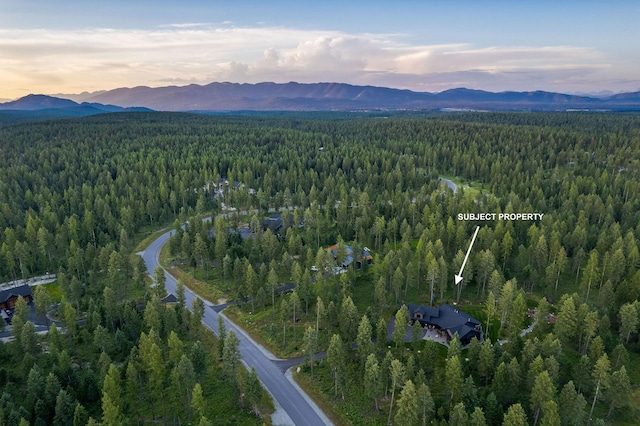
{"type": "Point", "coordinates": [449, 320]}
{"type": "Point", "coordinates": [9, 297]}
{"type": "Point", "coordinates": [275, 222]}
{"type": "Point", "coordinates": [347, 257]}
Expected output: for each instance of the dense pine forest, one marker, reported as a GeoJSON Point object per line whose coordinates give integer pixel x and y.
{"type": "Point", "coordinates": [79, 195]}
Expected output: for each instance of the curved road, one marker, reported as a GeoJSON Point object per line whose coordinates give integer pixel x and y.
{"type": "Point", "coordinates": [450, 184]}
{"type": "Point", "coordinates": [298, 407]}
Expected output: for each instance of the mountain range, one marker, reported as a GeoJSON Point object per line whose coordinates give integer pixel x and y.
{"type": "Point", "coordinates": [44, 102]}
{"type": "Point", "coordinates": [313, 97]}
{"type": "Point", "coordinates": [39, 107]}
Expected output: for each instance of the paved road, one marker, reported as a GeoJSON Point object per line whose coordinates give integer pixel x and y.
{"type": "Point", "coordinates": [450, 184]}
{"type": "Point", "coordinates": [300, 410]}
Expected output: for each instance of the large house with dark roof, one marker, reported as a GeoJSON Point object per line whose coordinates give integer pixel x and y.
{"type": "Point", "coordinates": [347, 258]}
{"type": "Point", "coordinates": [9, 297]}
{"type": "Point", "coordinates": [449, 320]}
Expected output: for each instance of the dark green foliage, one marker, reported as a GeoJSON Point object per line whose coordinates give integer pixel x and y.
{"type": "Point", "coordinates": [76, 194]}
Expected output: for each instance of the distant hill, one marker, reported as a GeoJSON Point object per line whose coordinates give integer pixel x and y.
{"type": "Point", "coordinates": [36, 102]}
{"type": "Point", "coordinates": [345, 97]}
{"type": "Point", "coordinates": [633, 97]}
{"type": "Point", "coordinates": [43, 107]}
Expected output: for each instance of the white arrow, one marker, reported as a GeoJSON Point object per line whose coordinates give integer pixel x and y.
{"type": "Point", "coordinates": [459, 276]}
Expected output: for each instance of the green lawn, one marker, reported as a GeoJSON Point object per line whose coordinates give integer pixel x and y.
{"type": "Point", "coordinates": [469, 188]}
{"type": "Point", "coordinates": [54, 291]}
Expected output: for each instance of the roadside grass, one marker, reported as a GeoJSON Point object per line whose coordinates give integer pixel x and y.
{"type": "Point", "coordinates": [321, 399]}
{"type": "Point", "coordinates": [207, 290]}
{"type": "Point", "coordinates": [218, 407]}
{"type": "Point", "coordinates": [356, 408]}
{"type": "Point", "coordinates": [267, 329]}
{"type": "Point", "coordinates": [148, 234]}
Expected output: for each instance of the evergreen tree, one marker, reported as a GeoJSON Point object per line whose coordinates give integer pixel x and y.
{"type": "Point", "coordinates": [425, 403]}
{"type": "Point", "coordinates": [80, 415]}
{"type": "Point", "coordinates": [477, 417]}
{"type": "Point", "coordinates": [454, 380]}
{"type": "Point", "coordinates": [363, 339]}
{"type": "Point", "coordinates": [401, 324]}
{"type": "Point", "coordinates": [336, 359]}
{"type": "Point", "coordinates": [397, 375]}
{"type": "Point", "coordinates": [629, 318]}
{"type": "Point", "coordinates": [550, 414]}
{"type": "Point", "coordinates": [198, 402]}
{"type": "Point", "coordinates": [310, 342]}
{"type": "Point", "coordinates": [590, 274]}
{"type": "Point", "coordinates": [619, 390]}
{"type": "Point", "coordinates": [567, 322]}
{"type": "Point", "coordinates": [42, 300]}
{"type": "Point", "coordinates": [231, 360]}
{"type": "Point", "coordinates": [160, 282]}
{"type": "Point", "coordinates": [65, 407]}
{"type": "Point", "coordinates": [372, 379]}
{"type": "Point", "coordinates": [601, 378]}
{"type": "Point", "coordinates": [381, 334]}
{"type": "Point", "coordinates": [571, 405]}
{"type": "Point", "coordinates": [222, 335]}
{"type": "Point", "coordinates": [184, 378]}
{"type": "Point", "coordinates": [348, 320]}
{"type": "Point", "coordinates": [29, 339]}
{"type": "Point", "coordinates": [455, 347]}
{"type": "Point", "coordinates": [458, 416]}
{"type": "Point", "coordinates": [515, 416]}
{"type": "Point", "coordinates": [385, 371]}
{"type": "Point", "coordinates": [486, 361]}
{"type": "Point", "coordinates": [407, 413]}
{"type": "Point", "coordinates": [253, 390]}
{"type": "Point", "coordinates": [542, 392]}
{"type": "Point", "coordinates": [112, 403]}
{"type": "Point", "coordinates": [19, 319]}
{"type": "Point", "coordinates": [470, 393]}
{"type": "Point", "coordinates": [197, 315]}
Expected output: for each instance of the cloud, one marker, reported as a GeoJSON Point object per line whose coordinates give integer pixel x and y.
{"type": "Point", "coordinates": [52, 61]}
{"type": "Point", "coordinates": [189, 25]}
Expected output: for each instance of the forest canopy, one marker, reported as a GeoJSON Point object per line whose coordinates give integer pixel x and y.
{"type": "Point", "coordinates": [74, 193]}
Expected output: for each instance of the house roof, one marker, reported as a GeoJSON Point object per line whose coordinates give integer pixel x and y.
{"type": "Point", "coordinates": [348, 260]}
{"type": "Point", "coordinates": [23, 290]}
{"type": "Point", "coordinates": [169, 298]}
{"type": "Point", "coordinates": [449, 318]}
{"type": "Point", "coordinates": [244, 231]}
{"type": "Point", "coordinates": [274, 222]}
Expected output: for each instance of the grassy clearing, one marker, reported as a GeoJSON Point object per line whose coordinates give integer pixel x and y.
{"type": "Point", "coordinates": [54, 291]}
{"type": "Point", "coordinates": [469, 188]}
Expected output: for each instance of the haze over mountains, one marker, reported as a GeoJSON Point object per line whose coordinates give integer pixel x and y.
{"type": "Point", "coordinates": [44, 102]}
{"type": "Point", "coordinates": [317, 97]}
{"type": "Point", "coordinates": [39, 107]}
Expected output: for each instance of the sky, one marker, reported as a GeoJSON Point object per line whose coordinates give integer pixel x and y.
{"type": "Point", "coordinates": [74, 46]}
